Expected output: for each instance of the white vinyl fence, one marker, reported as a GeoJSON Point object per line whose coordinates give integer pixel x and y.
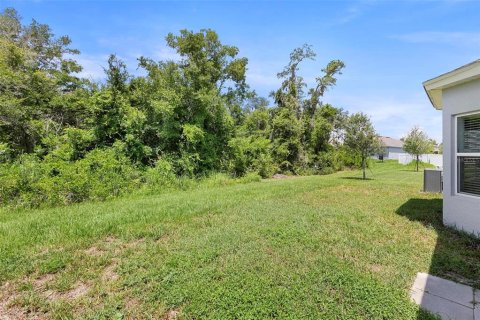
{"type": "Point", "coordinates": [434, 159]}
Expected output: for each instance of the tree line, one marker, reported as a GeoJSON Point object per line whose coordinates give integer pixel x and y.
{"type": "Point", "coordinates": [66, 139]}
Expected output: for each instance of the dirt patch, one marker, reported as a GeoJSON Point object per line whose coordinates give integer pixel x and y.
{"type": "Point", "coordinates": [7, 296]}
{"type": "Point", "coordinates": [132, 304]}
{"type": "Point", "coordinates": [102, 247]}
{"type": "Point", "coordinates": [43, 280]}
{"type": "Point", "coordinates": [80, 289]}
{"type": "Point", "coordinates": [94, 251]}
{"type": "Point", "coordinates": [13, 313]}
{"type": "Point", "coordinates": [171, 314]}
{"type": "Point", "coordinates": [134, 243]}
{"type": "Point", "coordinates": [376, 267]}
{"type": "Point", "coordinates": [111, 239]}
{"type": "Point", "coordinates": [280, 176]}
{"type": "Point", "coordinates": [109, 274]}
{"type": "Point", "coordinates": [9, 310]}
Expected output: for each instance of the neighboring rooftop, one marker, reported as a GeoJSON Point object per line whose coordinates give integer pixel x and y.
{"type": "Point", "coordinates": [435, 86]}
{"type": "Point", "coordinates": [390, 142]}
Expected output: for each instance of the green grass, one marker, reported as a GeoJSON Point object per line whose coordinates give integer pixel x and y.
{"type": "Point", "coordinates": [319, 247]}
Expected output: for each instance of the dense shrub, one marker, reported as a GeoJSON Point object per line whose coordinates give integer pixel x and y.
{"type": "Point", "coordinates": [102, 174]}
{"type": "Point", "coordinates": [251, 154]}
{"type": "Point", "coordinates": [161, 175]}
{"type": "Point", "coordinates": [64, 139]}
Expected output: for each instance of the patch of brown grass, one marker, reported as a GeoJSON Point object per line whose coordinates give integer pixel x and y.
{"type": "Point", "coordinates": [94, 251]}
{"type": "Point", "coordinates": [80, 289]}
{"type": "Point", "coordinates": [111, 239]}
{"type": "Point", "coordinates": [131, 306]}
{"type": "Point", "coordinates": [171, 314]}
{"type": "Point", "coordinates": [40, 282]}
{"type": "Point", "coordinates": [109, 273]}
{"type": "Point", "coordinates": [134, 243]}
{"type": "Point", "coordinates": [7, 296]}
{"type": "Point", "coordinates": [377, 268]}
{"type": "Point", "coordinates": [9, 307]}
{"type": "Point", "coordinates": [163, 239]}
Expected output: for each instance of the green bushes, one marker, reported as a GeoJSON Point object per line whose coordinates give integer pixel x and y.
{"type": "Point", "coordinates": [160, 175]}
{"type": "Point", "coordinates": [102, 174]}
{"type": "Point", "coordinates": [181, 124]}
{"type": "Point", "coordinates": [251, 154]}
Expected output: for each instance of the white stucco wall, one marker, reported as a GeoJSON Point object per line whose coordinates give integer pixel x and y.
{"type": "Point", "coordinates": [460, 211]}
{"type": "Point", "coordinates": [394, 152]}
{"type": "Point", "coordinates": [433, 159]}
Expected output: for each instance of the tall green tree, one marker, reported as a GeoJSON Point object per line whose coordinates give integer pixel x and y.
{"type": "Point", "coordinates": [189, 103]}
{"type": "Point", "coordinates": [39, 92]}
{"type": "Point", "coordinates": [299, 131]}
{"type": "Point", "coordinates": [328, 114]}
{"type": "Point", "coordinates": [417, 143]}
{"type": "Point", "coordinates": [361, 138]}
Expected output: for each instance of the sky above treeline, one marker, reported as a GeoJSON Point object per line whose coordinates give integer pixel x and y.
{"type": "Point", "coordinates": [389, 47]}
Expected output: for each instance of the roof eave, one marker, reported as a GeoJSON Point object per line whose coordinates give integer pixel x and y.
{"type": "Point", "coordinates": [435, 97]}
{"type": "Point", "coordinates": [434, 87]}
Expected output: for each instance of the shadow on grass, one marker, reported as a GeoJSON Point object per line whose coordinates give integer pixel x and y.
{"type": "Point", "coordinates": [457, 254]}
{"type": "Point", "coordinates": [356, 178]}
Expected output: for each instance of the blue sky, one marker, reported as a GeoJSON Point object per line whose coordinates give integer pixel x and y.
{"type": "Point", "coordinates": [389, 47]}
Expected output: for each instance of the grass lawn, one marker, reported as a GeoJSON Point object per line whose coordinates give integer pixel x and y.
{"type": "Point", "coordinates": [319, 247]}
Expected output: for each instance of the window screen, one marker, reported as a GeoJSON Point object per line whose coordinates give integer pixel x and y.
{"type": "Point", "coordinates": [469, 134]}
{"type": "Point", "coordinates": [468, 158]}
{"type": "Point", "coordinates": [469, 175]}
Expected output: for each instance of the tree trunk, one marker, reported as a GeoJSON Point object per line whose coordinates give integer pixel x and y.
{"type": "Point", "coordinates": [417, 162]}
{"type": "Point", "coordinates": [363, 167]}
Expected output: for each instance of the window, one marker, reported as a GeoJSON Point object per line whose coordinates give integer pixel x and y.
{"type": "Point", "coordinates": [468, 154]}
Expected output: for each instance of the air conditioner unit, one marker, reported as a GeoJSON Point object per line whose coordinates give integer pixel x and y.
{"type": "Point", "coordinates": [432, 180]}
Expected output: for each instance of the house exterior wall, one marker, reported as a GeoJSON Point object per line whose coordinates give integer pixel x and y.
{"type": "Point", "coordinates": [460, 211]}
{"type": "Point", "coordinates": [394, 152]}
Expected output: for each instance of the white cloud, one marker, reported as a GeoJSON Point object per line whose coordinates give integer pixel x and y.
{"type": "Point", "coordinates": [395, 117]}
{"type": "Point", "coordinates": [451, 38]}
{"type": "Point", "coordinates": [92, 66]}
{"type": "Point", "coordinates": [262, 79]}
{"type": "Point", "coordinates": [262, 75]}
{"type": "Point", "coordinates": [165, 53]}
{"type": "Point", "coordinates": [352, 13]}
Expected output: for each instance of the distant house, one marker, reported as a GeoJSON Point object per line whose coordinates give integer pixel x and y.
{"type": "Point", "coordinates": [393, 149]}
{"type": "Point", "coordinates": [457, 94]}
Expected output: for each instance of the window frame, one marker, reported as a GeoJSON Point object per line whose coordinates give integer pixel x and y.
{"type": "Point", "coordinates": [457, 154]}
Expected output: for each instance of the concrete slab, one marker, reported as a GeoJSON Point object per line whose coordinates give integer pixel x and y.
{"type": "Point", "coordinates": [416, 295]}
{"type": "Point", "coordinates": [448, 299]}
{"type": "Point", "coordinates": [446, 289]}
{"type": "Point", "coordinates": [476, 311]}
{"type": "Point", "coordinates": [444, 308]}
